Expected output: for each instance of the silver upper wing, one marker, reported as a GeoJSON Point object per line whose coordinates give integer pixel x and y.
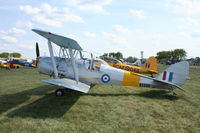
{"type": "Point", "coordinates": [59, 40]}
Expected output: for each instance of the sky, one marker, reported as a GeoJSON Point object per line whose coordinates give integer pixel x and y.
{"type": "Point", "coordinates": [102, 26]}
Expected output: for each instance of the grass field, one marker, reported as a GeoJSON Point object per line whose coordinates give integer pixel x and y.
{"type": "Point", "coordinates": [28, 105]}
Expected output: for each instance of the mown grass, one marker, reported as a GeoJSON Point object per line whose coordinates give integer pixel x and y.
{"type": "Point", "coordinates": [28, 105]}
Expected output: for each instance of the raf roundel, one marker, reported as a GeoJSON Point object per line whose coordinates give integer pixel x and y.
{"type": "Point", "coordinates": [105, 78]}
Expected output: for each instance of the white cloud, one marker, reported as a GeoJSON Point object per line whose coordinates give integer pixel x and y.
{"type": "Point", "coordinates": [195, 34]}
{"type": "Point", "coordinates": [24, 24]}
{"type": "Point", "coordinates": [71, 18]}
{"type": "Point", "coordinates": [48, 9]}
{"type": "Point", "coordinates": [189, 7]}
{"type": "Point", "coordinates": [26, 46]}
{"type": "Point", "coordinates": [72, 36]}
{"type": "Point", "coordinates": [121, 29]}
{"type": "Point", "coordinates": [114, 38]}
{"type": "Point", "coordinates": [2, 32]}
{"type": "Point", "coordinates": [51, 16]}
{"type": "Point", "coordinates": [29, 9]}
{"type": "Point", "coordinates": [46, 21]}
{"type": "Point", "coordinates": [61, 15]}
{"type": "Point", "coordinates": [184, 34]}
{"type": "Point", "coordinates": [93, 6]}
{"type": "Point", "coordinates": [138, 14]}
{"type": "Point", "coordinates": [189, 21]}
{"type": "Point", "coordinates": [138, 30]}
{"type": "Point", "coordinates": [156, 36]}
{"type": "Point", "coordinates": [9, 36]}
{"type": "Point", "coordinates": [17, 31]}
{"type": "Point", "coordinates": [89, 34]}
{"type": "Point", "coordinates": [9, 39]}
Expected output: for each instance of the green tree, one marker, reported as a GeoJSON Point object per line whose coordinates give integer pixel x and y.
{"type": "Point", "coordinates": [112, 54]}
{"type": "Point", "coordinates": [131, 59]}
{"type": "Point", "coordinates": [197, 58]}
{"type": "Point", "coordinates": [104, 56]}
{"type": "Point", "coordinates": [178, 55]}
{"type": "Point", "coordinates": [163, 55]}
{"type": "Point", "coordinates": [117, 55]}
{"type": "Point", "coordinates": [15, 54]}
{"type": "Point", "coordinates": [4, 55]}
{"type": "Point", "coordinates": [172, 56]}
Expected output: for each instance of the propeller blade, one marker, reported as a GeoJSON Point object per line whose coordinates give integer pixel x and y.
{"type": "Point", "coordinates": [37, 54]}
{"type": "Point", "coordinates": [37, 50]}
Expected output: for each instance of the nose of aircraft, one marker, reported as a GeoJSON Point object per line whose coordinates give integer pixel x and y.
{"type": "Point", "coordinates": [45, 66]}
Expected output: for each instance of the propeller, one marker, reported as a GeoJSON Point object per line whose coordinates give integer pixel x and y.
{"type": "Point", "coordinates": [37, 53]}
{"type": "Point", "coordinates": [37, 50]}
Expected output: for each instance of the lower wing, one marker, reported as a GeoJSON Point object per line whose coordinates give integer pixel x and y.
{"type": "Point", "coordinates": [69, 83]}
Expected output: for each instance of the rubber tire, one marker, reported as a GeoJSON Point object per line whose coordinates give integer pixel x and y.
{"type": "Point", "coordinates": [59, 92]}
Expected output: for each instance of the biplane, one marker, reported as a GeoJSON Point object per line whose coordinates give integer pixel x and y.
{"type": "Point", "coordinates": [149, 67]}
{"type": "Point", "coordinates": [71, 70]}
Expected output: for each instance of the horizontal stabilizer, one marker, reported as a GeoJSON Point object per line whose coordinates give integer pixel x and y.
{"type": "Point", "coordinates": [59, 40]}
{"type": "Point", "coordinates": [68, 83]}
{"type": "Point", "coordinates": [167, 84]}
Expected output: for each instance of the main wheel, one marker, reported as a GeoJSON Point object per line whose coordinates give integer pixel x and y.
{"type": "Point", "coordinates": [59, 92]}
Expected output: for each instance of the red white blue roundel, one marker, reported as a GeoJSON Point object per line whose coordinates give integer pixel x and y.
{"type": "Point", "coordinates": [105, 78]}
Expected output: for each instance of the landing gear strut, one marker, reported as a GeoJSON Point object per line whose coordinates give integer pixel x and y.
{"type": "Point", "coordinates": [59, 92]}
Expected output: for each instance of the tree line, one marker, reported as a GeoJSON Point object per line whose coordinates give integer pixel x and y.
{"type": "Point", "coordinates": [6, 55]}
{"type": "Point", "coordinates": [119, 56]}
{"type": "Point", "coordinates": [171, 56]}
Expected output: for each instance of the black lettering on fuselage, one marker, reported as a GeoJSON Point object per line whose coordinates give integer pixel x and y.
{"type": "Point", "coordinates": [127, 68]}
{"type": "Point", "coordinates": [145, 85]}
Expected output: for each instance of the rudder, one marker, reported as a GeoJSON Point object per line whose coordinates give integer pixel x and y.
{"type": "Point", "coordinates": [176, 73]}
{"type": "Point", "coordinates": [151, 63]}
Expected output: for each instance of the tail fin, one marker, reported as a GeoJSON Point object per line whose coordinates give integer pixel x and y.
{"type": "Point", "coordinates": [176, 74]}
{"type": "Point", "coordinates": [151, 63]}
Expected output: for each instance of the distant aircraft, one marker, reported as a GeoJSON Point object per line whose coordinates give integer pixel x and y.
{"type": "Point", "coordinates": [70, 70]}
{"type": "Point", "coordinates": [150, 66]}
{"type": "Point", "coordinates": [4, 64]}
{"type": "Point", "coordinates": [8, 64]}
{"type": "Point", "coordinates": [22, 61]}
{"type": "Point", "coordinates": [136, 63]}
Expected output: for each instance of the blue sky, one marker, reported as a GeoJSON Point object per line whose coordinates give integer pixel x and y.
{"type": "Point", "coordinates": [102, 26]}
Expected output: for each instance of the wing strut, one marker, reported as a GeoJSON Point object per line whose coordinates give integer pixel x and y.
{"type": "Point", "coordinates": [74, 66]}
{"type": "Point", "coordinates": [53, 59]}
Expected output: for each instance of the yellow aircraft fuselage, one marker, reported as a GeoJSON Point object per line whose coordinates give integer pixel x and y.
{"type": "Point", "coordinates": [150, 67]}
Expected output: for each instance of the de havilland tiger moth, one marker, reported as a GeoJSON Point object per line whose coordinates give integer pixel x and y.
{"type": "Point", "coordinates": [149, 67]}
{"type": "Point", "coordinates": [70, 70]}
